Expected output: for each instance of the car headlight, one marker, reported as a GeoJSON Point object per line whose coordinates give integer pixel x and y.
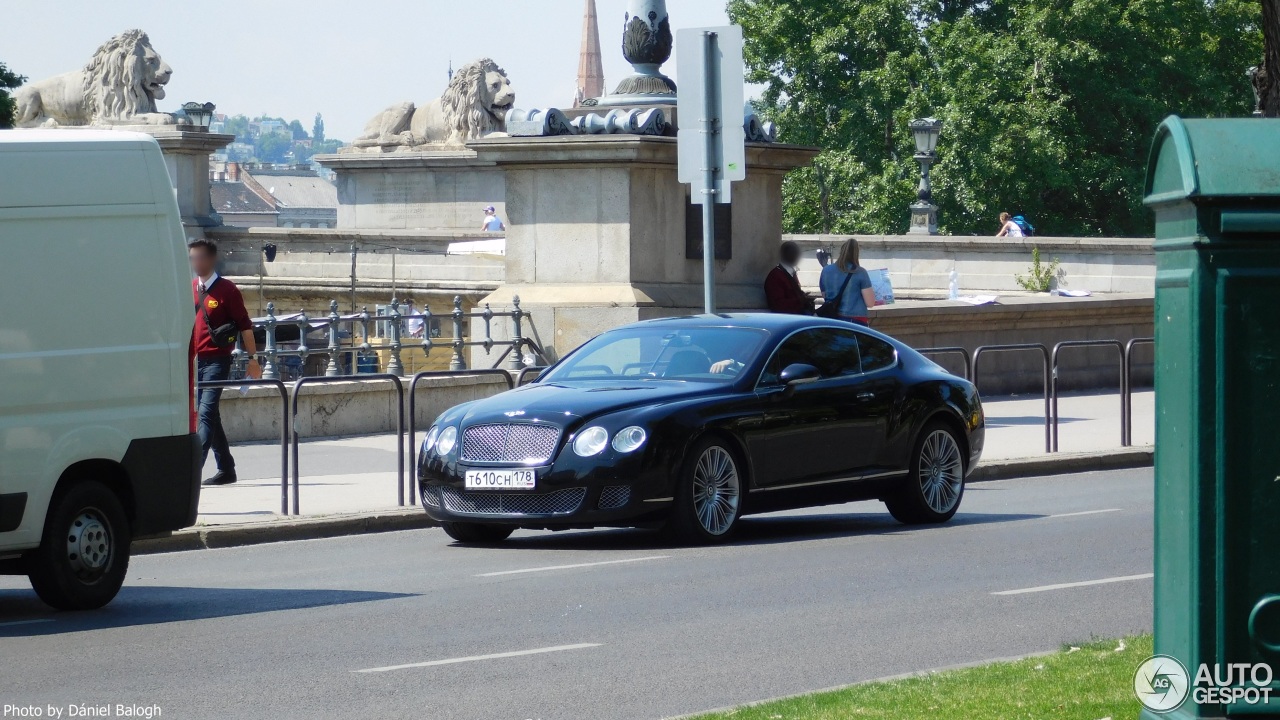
{"type": "Point", "coordinates": [591, 441]}
{"type": "Point", "coordinates": [448, 438]}
{"type": "Point", "coordinates": [432, 435]}
{"type": "Point", "coordinates": [629, 439]}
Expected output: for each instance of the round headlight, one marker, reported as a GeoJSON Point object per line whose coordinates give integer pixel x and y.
{"type": "Point", "coordinates": [629, 439]}
{"type": "Point", "coordinates": [448, 438]}
{"type": "Point", "coordinates": [591, 441]}
{"type": "Point", "coordinates": [432, 435]}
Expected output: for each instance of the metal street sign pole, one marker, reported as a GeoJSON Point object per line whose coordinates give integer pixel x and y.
{"type": "Point", "coordinates": [713, 149]}
{"type": "Point", "coordinates": [711, 128]}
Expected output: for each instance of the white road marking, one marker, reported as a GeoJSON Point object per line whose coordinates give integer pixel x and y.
{"type": "Point", "coordinates": [571, 567]}
{"type": "Point", "coordinates": [25, 622]}
{"type": "Point", "coordinates": [1083, 583]}
{"type": "Point", "coordinates": [475, 658]}
{"type": "Point", "coordinates": [1085, 512]}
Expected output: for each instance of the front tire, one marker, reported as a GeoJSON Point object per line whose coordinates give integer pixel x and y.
{"type": "Point", "coordinates": [935, 484]}
{"type": "Point", "coordinates": [84, 555]}
{"type": "Point", "coordinates": [709, 494]}
{"type": "Point", "coordinates": [477, 533]}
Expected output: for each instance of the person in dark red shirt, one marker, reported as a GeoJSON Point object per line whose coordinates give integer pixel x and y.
{"type": "Point", "coordinates": [218, 305]}
{"type": "Point", "coordinates": [782, 288]}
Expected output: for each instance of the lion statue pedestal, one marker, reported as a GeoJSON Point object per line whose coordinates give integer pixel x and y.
{"type": "Point", "coordinates": [412, 170]}
{"type": "Point", "coordinates": [473, 106]}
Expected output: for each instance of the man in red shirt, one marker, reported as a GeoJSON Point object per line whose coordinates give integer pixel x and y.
{"type": "Point", "coordinates": [782, 288]}
{"type": "Point", "coordinates": [220, 318]}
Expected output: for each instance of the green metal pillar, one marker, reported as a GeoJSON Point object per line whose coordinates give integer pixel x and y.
{"type": "Point", "coordinates": [1215, 188]}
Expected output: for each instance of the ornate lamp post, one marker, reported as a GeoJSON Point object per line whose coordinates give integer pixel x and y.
{"type": "Point", "coordinates": [1252, 74]}
{"type": "Point", "coordinates": [924, 214]}
{"type": "Point", "coordinates": [201, 114]}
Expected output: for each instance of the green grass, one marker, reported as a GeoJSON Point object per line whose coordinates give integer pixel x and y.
{"type": "Point", "coordinates": [1092, 682]}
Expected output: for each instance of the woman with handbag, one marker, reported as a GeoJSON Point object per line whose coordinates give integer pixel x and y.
{"type": "Point", "coordinates": [846, 287]}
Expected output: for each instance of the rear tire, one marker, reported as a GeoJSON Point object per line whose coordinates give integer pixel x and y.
{"type": "Point", "coordinates": [477, 533]}
{"type": "Point", "coordinates": [84, 555]}
{"type": "Point", "coordinates": [708, 496]}
{"type": "Point", "coordinates": [935, 483]}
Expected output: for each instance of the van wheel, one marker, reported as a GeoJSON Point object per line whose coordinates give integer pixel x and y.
{"type": "Point", "coordinates": [84, 555]}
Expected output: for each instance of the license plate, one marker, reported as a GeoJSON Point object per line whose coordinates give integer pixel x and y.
{"type": "Point", "coordinates": [500, 480]}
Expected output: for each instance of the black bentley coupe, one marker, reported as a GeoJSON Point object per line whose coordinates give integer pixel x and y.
{"type": "Point", "coordinates": [690, 423]}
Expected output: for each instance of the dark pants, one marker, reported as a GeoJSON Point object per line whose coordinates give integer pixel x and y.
{"type": "Point", "coordinates": [212, 437]}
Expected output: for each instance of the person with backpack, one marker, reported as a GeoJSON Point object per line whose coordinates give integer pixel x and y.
{"type": "Point", "coordinates": [846, 287]}
{"type": "Point", "coordinates": [1014, 226]}
{"type": "Point", "coordinates": [221, 319]}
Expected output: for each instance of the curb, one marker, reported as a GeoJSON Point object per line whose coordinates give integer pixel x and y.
{"type": "Point", "coordinates": [207, 537]}
{"type": "Point", "coordinates": [1063, 464]}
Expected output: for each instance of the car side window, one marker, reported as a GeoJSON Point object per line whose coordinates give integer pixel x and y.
{"type": "Point", "coordinates": [834, 352]}
{"type": "Point", "coordinates": [876, 353]}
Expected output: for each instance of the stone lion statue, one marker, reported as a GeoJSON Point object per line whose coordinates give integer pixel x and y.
{"type": "Point", "coordinates": [119, 86]}
{"type": "Point", "coordinates": [473, 106]}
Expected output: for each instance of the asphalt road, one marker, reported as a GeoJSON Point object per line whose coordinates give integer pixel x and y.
{"type": "Point", "coordinates": [802, 601]}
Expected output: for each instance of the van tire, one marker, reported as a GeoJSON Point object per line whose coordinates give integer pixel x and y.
{"type": "Point", "coordinates": [84, 555]}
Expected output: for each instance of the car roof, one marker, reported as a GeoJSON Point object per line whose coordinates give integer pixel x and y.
{"type": "Point", "coordinates": [772, 322]}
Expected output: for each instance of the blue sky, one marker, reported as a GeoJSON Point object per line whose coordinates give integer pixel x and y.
{"type": "Point", "coordinates": [345, 59]}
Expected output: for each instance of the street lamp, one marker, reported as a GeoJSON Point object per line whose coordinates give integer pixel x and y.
{"type": "Point", "coordinates": [201, 114]}
{"type": "Point", "coordinates": [1252, 74]}
{"type": "Point", "coordinates": [924, 214]}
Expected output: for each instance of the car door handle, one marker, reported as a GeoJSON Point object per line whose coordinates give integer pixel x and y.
{"type": "Point", "coordinates": [866, 396]}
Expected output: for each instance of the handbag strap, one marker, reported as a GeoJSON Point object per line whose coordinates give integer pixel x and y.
{"type": "Point", "coordinates": [840, 295]}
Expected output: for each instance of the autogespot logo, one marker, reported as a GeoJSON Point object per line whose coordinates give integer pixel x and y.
{"type": "Point", "coordinates": [1161, 684]}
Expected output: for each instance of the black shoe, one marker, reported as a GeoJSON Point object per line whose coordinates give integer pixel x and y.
{"type": "Point", "coordinates": [221, 478]}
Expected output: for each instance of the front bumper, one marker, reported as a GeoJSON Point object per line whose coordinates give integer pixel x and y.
{"type": "Point", "coordinates": [573, 492]}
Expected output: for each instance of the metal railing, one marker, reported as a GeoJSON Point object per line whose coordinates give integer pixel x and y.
{"type": "Point", "coordinates": [352, 337]}
{"type": "Point", "coordinates": [1050, 367]}
{"type": "Point", "coordinates": [413, 417]}
{"type": "Point", "coordinates": [373, 377]}
{"type": "Point", "coordinates": [1123, 379]}
{"type": "Point", "coordinates": [962, 352]}
{"type": "Point", "coordinates": [1126, 431]}
{"type": "Point", "coordinates": [1044, 353]}
{"type": "Point", "coordinates": [284, 425]}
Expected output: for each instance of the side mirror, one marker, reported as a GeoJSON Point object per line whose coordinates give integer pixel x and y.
{"type": "Point", "coordinates": [799, 374]}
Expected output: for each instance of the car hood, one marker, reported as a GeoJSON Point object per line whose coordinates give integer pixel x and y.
{"type": "Point", "coordinates": [562, 403]}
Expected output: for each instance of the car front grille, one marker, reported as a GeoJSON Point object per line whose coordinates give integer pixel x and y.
{"type": "Point", "coordinates": [431, 496]}
{"type": "Point", "coordinates": [515, 442]}
{"type": "Point", "coordinates": [614, 497]}
{"type": "Point", "coordinates": [561, 502]}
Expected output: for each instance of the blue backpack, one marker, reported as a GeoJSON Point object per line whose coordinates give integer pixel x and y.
{"type": "Point", "coordinates": [1027, 228]}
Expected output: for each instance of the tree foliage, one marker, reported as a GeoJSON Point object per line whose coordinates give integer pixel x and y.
{"type": "Point", "coordinates": [1048, 105]}
{"type": "Point", "coordinates": [8, 81]}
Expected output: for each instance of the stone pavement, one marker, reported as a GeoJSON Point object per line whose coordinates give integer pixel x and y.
{"type": "Point", "coordinates": [358, 474]}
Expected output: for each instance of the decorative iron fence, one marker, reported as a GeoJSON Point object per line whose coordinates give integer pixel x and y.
{"type": "Point", "coordinates": [357, 344]}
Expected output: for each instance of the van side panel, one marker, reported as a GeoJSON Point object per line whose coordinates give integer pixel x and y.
{"type": "Point", "coordinates": [94, 347]}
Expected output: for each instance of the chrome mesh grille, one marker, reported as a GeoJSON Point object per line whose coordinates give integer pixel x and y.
{"type": "Point", "coordinates": [431, 496]}
{"type": "Point", "coordinates": [614, 496]}
{"type": "Point", "coordinates": [522, 443]}
{"type": "Point", "coordinates": [561, 502]}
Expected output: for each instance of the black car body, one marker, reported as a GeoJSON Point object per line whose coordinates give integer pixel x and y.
{"type": "Point", "coordinates": [806, 411]}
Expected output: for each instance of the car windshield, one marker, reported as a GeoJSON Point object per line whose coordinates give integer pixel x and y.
{"type": "Point", "coordinates": [690, 354]}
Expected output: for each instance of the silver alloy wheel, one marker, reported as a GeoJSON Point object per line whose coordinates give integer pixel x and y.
{"type": "Point", "coordinates": [716, 490]}
{"type": "Point", "coordinates": [941, 471]}
{"type": "Point", "coordinates": [89, 545]}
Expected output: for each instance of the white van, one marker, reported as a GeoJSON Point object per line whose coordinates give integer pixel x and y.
{"type": "Point", "coordinates": [97, 441]}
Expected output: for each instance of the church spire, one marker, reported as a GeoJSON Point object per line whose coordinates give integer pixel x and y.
{"type": "Point", "coordinates": [590, 66]}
